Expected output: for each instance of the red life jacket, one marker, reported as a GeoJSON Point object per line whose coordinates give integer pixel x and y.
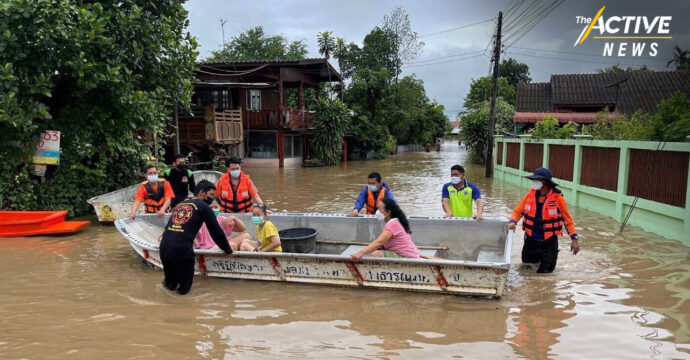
{"type": "Point", "coordinates": [551, 218]}
{"type": "Point", "coordinates": [154, 199]}
{"type": "Point", "coordinates": [235, 199]}
{"type": "Point", "coordinates": [371, 204]}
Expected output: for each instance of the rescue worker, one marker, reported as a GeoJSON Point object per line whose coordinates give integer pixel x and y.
{"type": "Point", "coordinates": [372, 194]}
{"type": "Point", "coordinates": [236, 190]}
{"type": "Point", "coordinates": [156, 194]}
{"type": "Point", "coordinates": [176, 248]}
{"type": "Point", "coordinates": [181, 180]}
{"type": "Point", "coordinates": [545, 212]}
{"type": "Point", "coordinates": [457, 196]}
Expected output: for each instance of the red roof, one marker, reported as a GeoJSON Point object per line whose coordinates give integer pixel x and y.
{"type": "Point", "coordinates": [576, 117]}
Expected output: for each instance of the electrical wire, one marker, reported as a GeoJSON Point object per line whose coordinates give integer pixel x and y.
{"type": "Point", "coordinates": [573, 60]}
{"type": "Point", "coordinates": [446, 62]}
{"type": "Point", "coordinates": [456, 28]}
{"type": "Point", "coordinates": [445, 57]}
{"type": "Point", "coordinates": [579, 54]}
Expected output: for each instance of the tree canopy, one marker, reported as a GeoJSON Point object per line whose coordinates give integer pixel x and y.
{"type": "Point", "coordinates": [255, 44]}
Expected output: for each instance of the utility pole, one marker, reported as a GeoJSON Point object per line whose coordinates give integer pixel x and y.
{"type": "Point", "coordinates": [489, 161]}
{"type": "Point", "coordinates": [222, 29]}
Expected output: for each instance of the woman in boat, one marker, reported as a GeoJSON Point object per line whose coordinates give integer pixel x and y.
{"type": "Point", "coordinates": [228, 224]}
{"type": "Point", "coordinates": [267, 236]}
{"type": "Point", "coordinates": [395, 238]}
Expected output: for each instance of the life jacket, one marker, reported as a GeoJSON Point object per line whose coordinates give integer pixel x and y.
{"type": "Point", "coordinates": [154, 199]}
{"type": "Point", "coordinates": [551, 218]}
{"type": "Point", "coordinates": [237, 199]}
{"type": "Point", "coordinates": [371, 204]}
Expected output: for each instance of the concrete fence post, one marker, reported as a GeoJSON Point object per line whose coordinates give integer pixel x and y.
{"type": "Point", "coordinates": [622, 189]}
{"type": "Point", "coordinates": [577, 166]}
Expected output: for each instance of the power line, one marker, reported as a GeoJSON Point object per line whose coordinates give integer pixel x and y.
{"type": "Point", "coordinates": [573, 60]}
{"type": "Point", "coordinates": [581, 54]}
{"type": "Point", "coordinates": [510, 22]}
{"type": "Point", "coordinates": [457, 28]}
{"type": "Point", "coordinates": [449, 61]}
{"type": "Point", "coordinates": [445, 57]}
{"type": "Point", "coordinates": [530, 24]}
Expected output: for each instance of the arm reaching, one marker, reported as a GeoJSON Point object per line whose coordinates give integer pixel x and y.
{"type": "Point", "coordinates": [215, 230]}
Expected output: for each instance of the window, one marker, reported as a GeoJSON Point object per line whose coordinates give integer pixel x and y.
{"type": "Point", "coordinates": [253, 99]}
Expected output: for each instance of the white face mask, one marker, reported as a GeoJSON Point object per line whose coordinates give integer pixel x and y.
{"type": "Point", "coordinates": [152, 178]}
{"type": "Point", "coordinates": [235, 173]}
{"type": "Point", "coordinates": [536, 185]}
{"type": "Point", "coordinates": [379, 215]}
{"type": "Point", "coordinates": [455, 180]}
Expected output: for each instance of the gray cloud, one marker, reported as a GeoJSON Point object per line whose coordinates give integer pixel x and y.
{"type": "Point", "coordinates": [447, 80]}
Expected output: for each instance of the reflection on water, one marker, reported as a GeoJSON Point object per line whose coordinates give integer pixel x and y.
{"type": "Point", "coordinates": [88, 295]}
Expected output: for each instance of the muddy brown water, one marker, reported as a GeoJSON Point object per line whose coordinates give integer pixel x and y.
{"type": "Point", "coordinates": [625, 296]}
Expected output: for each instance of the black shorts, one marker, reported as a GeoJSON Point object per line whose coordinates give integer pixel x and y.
{"type": "Point", "coordinates": [543, 252]}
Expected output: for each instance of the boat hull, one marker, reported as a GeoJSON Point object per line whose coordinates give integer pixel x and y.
{"type": "Point", "coordinates": [29, 223]}
{"type": "Point", "coordinates": [117, 204]}
{"type": "Point", "coordinates": [465, 273]}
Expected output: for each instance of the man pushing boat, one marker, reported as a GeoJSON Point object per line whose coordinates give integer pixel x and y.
{"type": "Point", "coordinates": [176, 249]}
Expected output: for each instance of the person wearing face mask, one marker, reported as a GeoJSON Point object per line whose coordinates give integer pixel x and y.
{"type": "Point", "coordinates": [395, 238]}
{"type": "Point", "coordinates": [372, 194]}
{"type": "Point", "coordinates": [176, 248]}
{"type": "Point", "coordinates": [457, 196]}
{"type": "Point", "coordinates": [545, 212]}
{"type": "Point", "coordinates": [229, 224]}
{"type": "Point", "coordinates": [236, 189]}
{"type": "Point", "coordinates": [154, 193]}
{"type": "Point", "coordinates": [181, 180]}
{"type": "Point", "coordinates": [268, 239]}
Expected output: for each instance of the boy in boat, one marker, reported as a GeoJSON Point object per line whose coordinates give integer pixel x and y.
{"type": "Point", "coordinates": [177, 253]}
{"type": "Point", "coordinates": [156, 194]}
{"type": "Point", "coordinates": [372, 194]}
{"type": "Point", "coordinates": [228, 224]}
{"type": "Point", "coordinates": [394, 239]}
{"type": "Point", "coordinates": [267, 236]}
{"type": "Point", "coordinates": [545, 212]}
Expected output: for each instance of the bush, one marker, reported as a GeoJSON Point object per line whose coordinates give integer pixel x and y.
{"type": "Point", "coordinates": [547, 128]}
{"type": "Point", "coordinates": [330, 126]}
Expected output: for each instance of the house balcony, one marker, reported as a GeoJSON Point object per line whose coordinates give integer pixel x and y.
{"type": "Point", "coordinates": [277, 119]}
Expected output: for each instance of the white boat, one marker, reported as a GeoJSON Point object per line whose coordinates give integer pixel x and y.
{"type": "Point", "coordinates": [469, 257]}
{"type": "Point", "coordinates": [117, 204]}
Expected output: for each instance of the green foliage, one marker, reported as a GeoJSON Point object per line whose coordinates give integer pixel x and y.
{"type": "Point", "coordinates": [480, 91]}
{"type": "Point", "coordinates": [672, 118]}
{"type": "Point", "coordinates": [255, 44]}
{"type": "Point", "coordinates": [617, 69]}
{"type": "Point", "coordinates": [97, 71]}
{"type": "Point", "coordinates": [330, 126]}
{"type": "Point", "coordinates": [475, 126]}
{"type": "Point", "coordinates": [548, 128]}
{"type": "Point", "coordinates": [680, 58]}
{"type": "Point", "coordinates": [514, 72]}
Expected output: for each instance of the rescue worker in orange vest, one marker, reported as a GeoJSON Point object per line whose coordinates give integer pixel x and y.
{"type": "Point", "coordinates": [236, 190]}
{"type": "Point", "coordinates": [155, 193]}
{"type": "Point", "coordinates": [372, 194]}
{"type": "Point", "coordinates": [545, 212]}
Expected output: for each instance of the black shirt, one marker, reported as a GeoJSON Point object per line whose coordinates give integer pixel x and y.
{"type": "Point", "coordinates": [176, 179]}
{"type": "Point", "coordinates": [186, 220]}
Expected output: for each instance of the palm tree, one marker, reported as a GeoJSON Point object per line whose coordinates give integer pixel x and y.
{"type": "Point", "coordinates": [680, 58]}
{"type": "Point", "coordinates": [339, 52]}
{"type": "Point", "coordinates": [325, 41]}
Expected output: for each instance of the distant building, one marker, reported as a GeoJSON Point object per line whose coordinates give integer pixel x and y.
{"type": "Point", "coordinates": [578, 97]}
{"type": "Point", "coordinates": [246, 109]}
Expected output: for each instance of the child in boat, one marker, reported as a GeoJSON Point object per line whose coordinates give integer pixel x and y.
{"type": "Point", "coordinates": [267, 236]}
{"type": "Point", "coordinates": [395, 237]}
{"type": "Point", "coordinates": [228, 224]}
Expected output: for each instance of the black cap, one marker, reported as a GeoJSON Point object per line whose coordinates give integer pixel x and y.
{"type": "Point", "coordinates": [544, 174]}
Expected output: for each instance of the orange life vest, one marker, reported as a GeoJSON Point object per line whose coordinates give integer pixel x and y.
{"type": "Point", "coordinates": [371, 204]}
{"type": "Point", "coordinates": [551, 218]}
{"type": "Point", "coordinates": [235, 199]}
{"type": "Point", "coordinates": [154, 199]}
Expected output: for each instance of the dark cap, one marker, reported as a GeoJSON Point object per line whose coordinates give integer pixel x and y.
{"type": "Point", "coordinates": [544, 174]}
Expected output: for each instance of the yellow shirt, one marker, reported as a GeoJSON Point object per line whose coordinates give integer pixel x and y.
{"type": "Point", "coordinates": [264, 235]}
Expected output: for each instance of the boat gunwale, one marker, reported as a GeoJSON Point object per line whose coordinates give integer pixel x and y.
{"type": "Point", "coordinates": [40, 221]}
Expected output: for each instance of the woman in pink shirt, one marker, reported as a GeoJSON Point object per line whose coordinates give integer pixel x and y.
{"type": "Point", "coordinates": [395, 237]}
{"type": "Point", "coordinates": [228, 224]}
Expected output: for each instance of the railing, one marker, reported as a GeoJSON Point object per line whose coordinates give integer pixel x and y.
{"type": "Point", "coordinates": [608, 176]}
{"type": "Point", "coordinates": [274, 119]}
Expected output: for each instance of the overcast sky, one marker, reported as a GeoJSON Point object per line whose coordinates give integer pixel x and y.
{"type": "Point", "coordinates": [443, 64]}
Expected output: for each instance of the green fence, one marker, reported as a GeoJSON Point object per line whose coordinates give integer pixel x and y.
{"type": "Point", "coordinates": [608, 177]}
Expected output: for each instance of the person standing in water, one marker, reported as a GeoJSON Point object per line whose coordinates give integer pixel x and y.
{"type": "Point", "coordinates": [545, 212]}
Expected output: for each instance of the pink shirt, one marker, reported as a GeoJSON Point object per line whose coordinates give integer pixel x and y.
{"type": "Point", "coordinates": [203, 238]}
{"type": "Point", "coordinates": [401, 242]}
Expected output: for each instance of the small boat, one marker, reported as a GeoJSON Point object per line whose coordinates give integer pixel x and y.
{"type": "Point", "coordinates": [117, 204]}
{"type": "Point", "coordinates": [463, 256]}
{"type": "Point", "coordinates": [27, 223]}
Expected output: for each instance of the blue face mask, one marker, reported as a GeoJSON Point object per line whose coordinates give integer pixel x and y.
{"type": "Point", "coordinates": [257, 220]}
{"type": "Point", "coordinates": [373, 187]}
{"type": "Point", "coordinates": [235, 173]}
{"type": "Point", "coordinates": [216, 212]}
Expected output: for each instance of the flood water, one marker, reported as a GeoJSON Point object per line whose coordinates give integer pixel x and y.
{"type": "Point", "coordinates": [624, 296]}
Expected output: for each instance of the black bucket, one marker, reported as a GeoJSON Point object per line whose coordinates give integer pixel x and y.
{"type": "Point", "coordinates": [298, 240]}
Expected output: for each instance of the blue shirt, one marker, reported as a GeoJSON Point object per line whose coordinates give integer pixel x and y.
{"type": "Point", "coordinates": [362, 199]}
{"type": "Point", "coordinates": [475, 190]}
